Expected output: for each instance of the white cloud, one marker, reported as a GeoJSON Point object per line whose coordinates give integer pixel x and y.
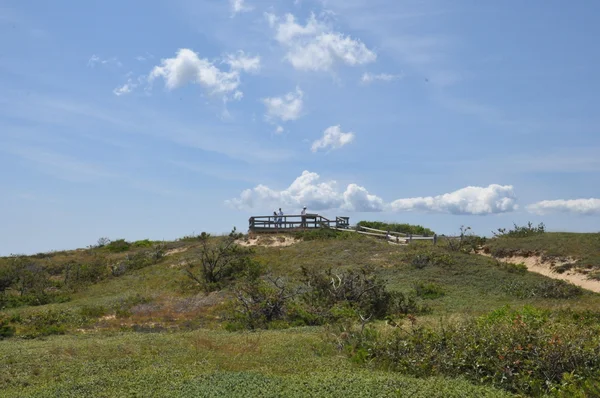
{"type": "Point", "coordinates": [238, 6]}
{"type": "Point", "coordinates": [575, 206]}
{"type": "Point", "coordinates": [368, 78]}
{"type": "Point", "coordinates": [317, 195]}
{"type": "Point", "coordinates": [238, 95]}
{"type": "Point", "coordinates": [470, 200]}
{"type": "Point", "coordinates": [333, 138]}
{"type": "Point", "coordinates": [279, 130]}
{"type": "Point", "coordinates": [307, 190]}
{"type": "Point", "coordinates": [285, 108]}
{"type": "Point", "coordinates": [188, 68]}
{"type": "Point", "coordinates": [97, 60]}
{"type": "Point", "coordinates": [315, 46]}
{"type": "Point", "coordinates": [241, 62]}
{"type": "Point", "coordinates": [125, 89]}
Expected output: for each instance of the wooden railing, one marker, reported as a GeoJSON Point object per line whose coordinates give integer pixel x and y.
{"type": "Point", "coordinates": [290, 223]}
{"type": "Point", "coordinates": [394, 237]}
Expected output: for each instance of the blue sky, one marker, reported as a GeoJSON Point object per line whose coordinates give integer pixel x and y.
{"type": "Point", "coordinates": [156, 119]}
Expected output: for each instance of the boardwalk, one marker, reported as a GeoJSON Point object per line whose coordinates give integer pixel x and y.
{"type": "Point", "coordinates": [293, 223]}
{"type": "Point", "coordinates": [297, 223]}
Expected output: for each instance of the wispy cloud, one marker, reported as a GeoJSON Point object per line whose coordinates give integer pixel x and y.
{"type": "Point", "coordinates": [368, 78]}
{"type": "Point", "coordinates": [316, 46]}
{"type": "Point", "coordinates": [238, 6]}
{"type": "Point", "coordinates": [95, 60]}
{"type": "Point", "coordinates": [61, 166]}
{"type": "Point", "coordinates": [80, 116]}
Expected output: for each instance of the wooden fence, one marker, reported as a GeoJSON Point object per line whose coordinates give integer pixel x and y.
{"type": "Point", "coordinates": [394, 237]}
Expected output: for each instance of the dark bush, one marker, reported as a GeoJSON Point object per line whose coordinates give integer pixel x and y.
{"type": "Point", "coordinates": [259, 304]}
{"type": "Point", "coordinates": [429, 290]}
{"type": "Point", "coordinates": [219, 261]}
{"type": "Point", "coordinates": [6, 330]}
{"type": "Point", "coordinates": [322, 297]}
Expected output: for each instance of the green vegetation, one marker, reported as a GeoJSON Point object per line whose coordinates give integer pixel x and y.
{"type": "Point", "coordinates": [395, 227]}
{"type": "Point", "coordinates": [335, 314]}
{"type": "Point", "coordinates": [522, 351]}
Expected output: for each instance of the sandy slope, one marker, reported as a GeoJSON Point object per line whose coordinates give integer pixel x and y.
{"type": "Point", "coordinates": [535, 264]}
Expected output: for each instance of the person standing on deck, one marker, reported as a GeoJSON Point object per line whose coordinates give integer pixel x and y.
{"type": "Point", "coordinates": [280, 218]}
{"type": "Point", "coordinates": [303, 214]}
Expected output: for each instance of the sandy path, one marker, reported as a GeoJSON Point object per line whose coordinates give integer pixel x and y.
{"type": "Point", "coordinates": [535, 264]}
{"type": "Point", "coordinates": [268, 241]}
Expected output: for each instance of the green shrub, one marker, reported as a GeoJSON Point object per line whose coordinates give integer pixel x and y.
{"type": "Point", "coordinates": [321, 234]}
{"type": "Point", "coordinates": [424, 258]}
{"type": "Point", "coordinates": [520, 268]}
{"type": "Point", "coordinates": [429, 290]}
{"type": "Point", "coordinates": [143, 243]}
{"type": "Point", "coordinates": [6, 330]}
{"type": "Point", "coordinates": [395, 227]}
{"type": "Point", "coordinates": [553, 289]}
{"type": "Point", "coordinates": [118, 246]}
{"type": "Point", "coordinates": [526, 352]}
{"type": "Point", "coordinates": [93, 311]}
{"type": "Point", "coordinates": [49, 322]}
{"type": "Point", "coordinates": [521, 231]}
{"type": "Point", "coordinates": [122, 307]}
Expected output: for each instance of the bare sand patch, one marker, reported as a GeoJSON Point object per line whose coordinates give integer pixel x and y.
{"type": "Point", "coordinates": [546, 268]}
{"type": "Point", "coordinates": [176, 251]}
{"type": "Point", "coordinates": [268, 241]}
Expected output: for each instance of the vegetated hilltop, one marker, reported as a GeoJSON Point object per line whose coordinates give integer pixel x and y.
{"type": "Point", "coordinates": [577, 252]}
{"type": "Point", "coordinates": [327, 314]}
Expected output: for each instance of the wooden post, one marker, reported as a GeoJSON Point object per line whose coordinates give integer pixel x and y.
{"type": "Point", "coordinates": [409, 238]}
{"type": "Point", "coordinates": [434, 239]}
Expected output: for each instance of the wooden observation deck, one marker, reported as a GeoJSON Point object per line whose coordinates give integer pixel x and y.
{"type": "Point", "coordinates": [295, 223]}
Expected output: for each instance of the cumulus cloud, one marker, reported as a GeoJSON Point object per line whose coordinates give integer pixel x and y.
{"type": "Point", "coordinates": [585, 207]}
{"type": "Point", "coordinates": [279, 130]}
{"type": "Point", "coordinates": [285, 108]}
{"type": "Point", "coordinates": [308, 190]}
{"type": "Point", "coordinates": [333, 138]}
{"type": "Point", "coordinates": [368, 78]}
{"type": "Point", "coordinates": [188, 68]}
{"type": "Point", "coordinates": [242, 62]}
{"type": "Point", "coordinates": [470, 200]}
{"type": "Point", "coordinates": [316, 46]}
{"type": "Point", "coordinates": [238, 6]}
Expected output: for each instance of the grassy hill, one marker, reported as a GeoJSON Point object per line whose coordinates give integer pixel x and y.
{"type": "Point", "coordinates": [124, 319]}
